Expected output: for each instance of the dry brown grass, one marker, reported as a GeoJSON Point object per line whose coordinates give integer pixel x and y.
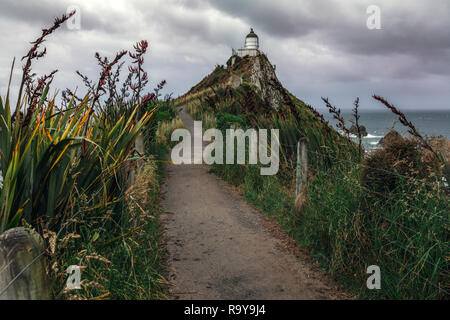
{"type": "Point", "coordinates": [442, 146]}
{"type": "Point", "coordinates": [398, 158]}
{"type": "Point", "coordinates": [166, 128]}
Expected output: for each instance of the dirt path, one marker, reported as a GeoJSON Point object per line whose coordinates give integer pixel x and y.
{"type": "Point", "coordinates": [221, 248]}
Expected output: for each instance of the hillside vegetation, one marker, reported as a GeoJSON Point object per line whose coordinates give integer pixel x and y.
{"type": "Point", "coordinates": [85, 175]}
{"type": "Point", "coordinates": [388, 208]}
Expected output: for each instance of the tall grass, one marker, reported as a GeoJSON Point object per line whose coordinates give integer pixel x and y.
{"type": "Point", "coordinates": [348, 227]}
{"type": "Point", "coordinates": [43, 165]}
{"type": "Point", "coordinates": [348, 222]}
{"type": "Point", "coordinates": [165, 129]}
{"type": "Point", "coordinates": [66, 173]}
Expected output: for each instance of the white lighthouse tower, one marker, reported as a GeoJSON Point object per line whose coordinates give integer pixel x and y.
{"type": "Point", "coordinates": [251, 41]}
{"type": "Point", "coordinates": [251, 46]}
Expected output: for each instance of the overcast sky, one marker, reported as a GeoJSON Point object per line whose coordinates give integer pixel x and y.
{"type": "Point", "coordinates": [320, 48]}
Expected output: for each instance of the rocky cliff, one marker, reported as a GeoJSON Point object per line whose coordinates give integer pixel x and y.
{"type": "Point", "coordinates": [256, 71]}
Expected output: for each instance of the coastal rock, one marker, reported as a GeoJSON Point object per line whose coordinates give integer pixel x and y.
{"type": "Point", "coordinates": [389, 138]}
{"type": "Point", "coordinates": [362, 129]}
{"type": "Point", "coordinates": [262, 76]}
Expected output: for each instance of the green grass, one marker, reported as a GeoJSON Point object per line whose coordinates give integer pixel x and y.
{"type": "Point", "coordinates": [122, 253]}
{"type": "Point", "coordinates": [76, 174]}
{"type": "Point", "coordinates": [121, 250]}
{"type": "Point", "coordinates": [75, 190]}
{"type": "Point", "coordinates": [346, 224]}
{"type": "Point", "coordinates": [346, 232]}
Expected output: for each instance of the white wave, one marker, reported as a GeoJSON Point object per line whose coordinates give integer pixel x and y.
{"type": "Point", "coordinates": [370, 136]}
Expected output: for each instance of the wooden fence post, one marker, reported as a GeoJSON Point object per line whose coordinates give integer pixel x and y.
{"type": "Point", "coordinates": [139, 145]}
{"type": "Point", "coordinates": [140, 148]}
{"type": "Point", "coordinates": [22, 266]}
{"type": "Point", "coordinates": [302, 165]}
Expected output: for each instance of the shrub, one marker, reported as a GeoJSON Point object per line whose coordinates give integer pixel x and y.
{"type": "Point", "coordinates": [385, 168]}
{"type": "Point", "coordinates": [226, 121]}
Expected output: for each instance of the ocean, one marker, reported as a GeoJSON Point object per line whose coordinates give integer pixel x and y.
{"type": "Point", "coordinates": [378, 123]}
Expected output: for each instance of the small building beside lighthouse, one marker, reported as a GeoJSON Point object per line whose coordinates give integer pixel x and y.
{"type": "Point", "coordinates": [251, 46]}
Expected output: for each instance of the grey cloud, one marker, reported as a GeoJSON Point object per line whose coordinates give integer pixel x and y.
{"type": "Point", "coordinates": [42, 13]}
{"type": "Point", "coordinates": [277, 18]}
{"type": "Point", "coordinates": [418, 31]}
{"type": "Point", "coordinates": [320, 47]}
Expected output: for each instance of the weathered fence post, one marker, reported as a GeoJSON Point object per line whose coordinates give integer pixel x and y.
{"type": "Point", "coordinates": [301, 175]}
{"type": "Point", "coordinates": [140, 148]}
{"type": "Point", "coordinates": [139, 145]}
{"type": "Point", "coordinates": [22, 266]}
{"type": "Point", "coordinates": [302, 165]}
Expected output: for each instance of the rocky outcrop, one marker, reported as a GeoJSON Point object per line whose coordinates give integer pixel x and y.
{"type": "Point", "coordinates": [235, 81]}
{"type": "Point", "coordinates": [354, 130]}
{"type": "Point", "coordinates": [256, 70]}
{"type": "Point", "coordinates": [263, 77]}
{"type": "Point", "coordinates": [389, 137]}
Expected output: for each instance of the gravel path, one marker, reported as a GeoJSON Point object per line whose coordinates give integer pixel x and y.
{"type": "Point", "coordinates": [219, 247]}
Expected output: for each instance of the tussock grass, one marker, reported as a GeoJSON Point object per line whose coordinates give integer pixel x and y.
{"type": "Point", "coordinates": [67, 172]}
{"type": "Point", "coordinates": [346, 229]}
{"type": "Point", "coordinates": [347, 222]}
{"type": "Point", "coordinates": [120, 252]}
{"type": "Point", "coordinates": [165, 129]}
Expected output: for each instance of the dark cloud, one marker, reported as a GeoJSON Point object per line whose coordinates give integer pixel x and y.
{"type": "Point", "coordinates": [267, 16]}
{"type": "Point", "coordinates": [320, 47]}
{"type": "Point", "coordinates": [421, 34]}
{"type": "Point", "coordinates": [42, 13]}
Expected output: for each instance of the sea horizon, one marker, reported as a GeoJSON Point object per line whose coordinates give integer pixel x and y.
{"type": "Point", "coordinates": [378, 123]}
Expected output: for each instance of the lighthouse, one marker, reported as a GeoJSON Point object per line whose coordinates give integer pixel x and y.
{"type": "Point", "coordinates": [251, 46]}
{"type": "Point", "coordinates": [251, 41]}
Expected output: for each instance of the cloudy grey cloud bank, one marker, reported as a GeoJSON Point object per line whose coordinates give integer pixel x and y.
{"type": "Point", "coordinates": [320, 48]}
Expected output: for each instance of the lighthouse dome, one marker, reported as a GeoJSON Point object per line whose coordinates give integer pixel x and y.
{"type": "Point", "coordinates": [251, 41]}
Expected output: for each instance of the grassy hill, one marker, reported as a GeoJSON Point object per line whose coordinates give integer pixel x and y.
{"type": "Point", "coordinates": [386, 208]}
{"type": "Point", "coordinates": [250, 89]}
